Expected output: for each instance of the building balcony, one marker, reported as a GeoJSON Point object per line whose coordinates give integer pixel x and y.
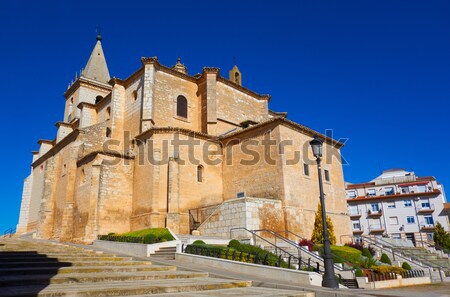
{"type": "Point", "coordinates": [374, 213]}
{"type": "Point", "coordinates": [377, 228]}
{"type": "Point", "coordinates": [355, 214]}
{"type": "Point", "coordinates": [425, 209]}
{"type": "Point", "coordinates": [427, 227]}
{"type": "Point", "coordinates": [358, 230]}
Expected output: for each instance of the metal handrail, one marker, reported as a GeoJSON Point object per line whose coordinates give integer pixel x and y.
{"type": "Point", "coordinates": [9, 231]}
{"type": "Point", "coordinates": [384, 244]}
{"type": "Point", "coordinates": [295, 245]}
{"type": "Point", "coordinates": [299, 259]}
{"type": "Point", "coordinates": [338, 257]}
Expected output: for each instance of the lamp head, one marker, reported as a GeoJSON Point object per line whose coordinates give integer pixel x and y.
{"type": "Point", "coordinates": [316, 145]}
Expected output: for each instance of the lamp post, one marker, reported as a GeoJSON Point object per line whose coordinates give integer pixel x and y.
{"type": "Point", "coordinates": [329, 279]}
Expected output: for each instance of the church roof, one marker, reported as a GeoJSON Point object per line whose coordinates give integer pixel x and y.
{"type": "Point", "coordinates": [96, 67]}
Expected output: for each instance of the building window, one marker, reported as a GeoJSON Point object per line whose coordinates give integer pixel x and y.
{"type": "Point", "coordinates": [199, 173]}
{"type": "Point", "coordinates": [425, 204]}
{"type": "Point", "coordinates": [83, 176]}
{"type": "Point", "coordinates": [430, 236]}
{"type": "Point", "coordinates": [393, 220]}
{"type": "Point", "coordinates": [327, 175]}
{"type": "Point", "coordinates": [410, 220]}
{"type": "Point", "coordinates": [405, 190]}
{"type": "Point", "coordinates": [371, 192]}
{"type": "Point", "coordinates": [98, 99]}
{"type": "Point", "coordinates": [389, 191]}
{"type": "Point", "coordinates": [108, 132]}
{"type": "Point", "coordinates": [306, 169]}
{"type": "Point", "coordinates": [356, 225]}
{"type": "Point", "coordinates": [64, 171]}
{"type": "Point", "coordinates": [134, 95]}
{"type": "Point", "coordinates": [108, 113]}
{"type": "Point", "coordinates": [351, 194]}
{"type": "Point", "coordinates": [391, 204]}
{"type": "Point", "coordinates": [375, 207]}
{"type": "Point", "coordinates": [421, 188]}
{"type": "Point", "coordinates": [182, 107]}
{"type": "Point", "coordinates": [407, 203]}
{"type": "Point", "coordinates": [429, 220]}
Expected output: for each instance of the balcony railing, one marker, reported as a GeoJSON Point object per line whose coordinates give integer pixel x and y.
{"type": "Point", "coordinates": [359, 229]}
{"type": "Point", "coordinates": [374, 213]}
{"type": "Point", "coordinates": [426, 226]}
{"type": "Point", "coordinates": [376, 228]}
{"type": "Point", "coordinates": [355, 213]}
{"type": "Point", "coordinates": [425, 209]}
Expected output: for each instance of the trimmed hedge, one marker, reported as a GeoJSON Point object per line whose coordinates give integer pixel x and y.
{"type": "Point", "coordinates": [386, 269]}
{"type": "Point", "coordinates": [199, 242]}
{"type": "Point", "coordinates": [385, 259]}
{"type": "Point", "coordinates": [234, 243]}
{"type": "Point", "coordinates": [342, 253]}
{"type": "Point", "coordinates": [406, 266]}
{"type": "Point", "coordinates": [146, 236]}
{"type": "Point", "coordinates": [359, 273]}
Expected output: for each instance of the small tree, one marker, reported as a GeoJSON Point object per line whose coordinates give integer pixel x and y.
{"type": "Point", "coordinates": [366, 253]}
{"type": "Point", "coordinates": [441, 237]}
{"type": "Point", "coordinates": [406, 266]}
{"type": "Point", "coordinates": [317, 235]}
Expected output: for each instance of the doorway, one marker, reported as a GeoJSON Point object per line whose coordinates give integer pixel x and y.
{"type": "Point", "coordinates": [410, 236]}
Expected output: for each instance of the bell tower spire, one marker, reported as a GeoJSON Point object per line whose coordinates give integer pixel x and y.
{"type": "Point", "coordinates": [96, 68]}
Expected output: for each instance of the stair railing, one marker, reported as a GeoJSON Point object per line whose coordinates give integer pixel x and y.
{"type": "Point", "coordinates": [355, 266]}
{"type": "Point", "coordinates": [287, 254]}
{"type": "Point", "coordinates": [9, 232]}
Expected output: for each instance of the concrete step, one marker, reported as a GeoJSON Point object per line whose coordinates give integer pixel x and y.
{"type": "Point", "coordinates": [43, 279]}
{"type": "Point", "coordinates": [81, 269]}
{"type": "Point", "coordinates": [43, 258]}
{"type": "Point", "coordinates": [124, 288]}
{"type": "Point", "coordinates": [242, 292]}
{"type": "Point", "coordinates": [74, 263]}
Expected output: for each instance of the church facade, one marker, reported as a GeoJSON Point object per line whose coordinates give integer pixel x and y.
{"type": "Point", "coordinates": [163, 148]}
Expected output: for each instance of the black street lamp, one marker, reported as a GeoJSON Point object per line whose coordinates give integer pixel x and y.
{"type": "Point", "coordinates": [328, 279]}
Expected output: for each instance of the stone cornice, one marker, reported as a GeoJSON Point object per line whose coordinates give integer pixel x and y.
{"type": "Point", "coordinates": [211, 70]}
{"type": "Point", "coordinates": [290, 124]}
{"type": "Point", "coordinates": [174, 130]}
{"type": "Point", "coordinates": [88, 105]}
{"type": "Point", "coordinates": [109, 153]}
{"type": "Point", "coordinates": [244, 90]}
{"type": "Point", "coordinates": [41, 141]}
{"type": "Point", "coordinates": [82, 80]}
{"type": "Point", "coordinates": [57, 147]}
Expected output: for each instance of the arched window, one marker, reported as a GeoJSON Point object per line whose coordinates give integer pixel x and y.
{"type": "Point", "coordinates": [98, 99]}
{"type": "Point", "coordinates": [182, 106]}
{"type": "Point", "coordinates": [236, 78]}
{"type": "Point", "coordinates": [108, 113]}
{"type": "Point", "coordinates": [199, 173]}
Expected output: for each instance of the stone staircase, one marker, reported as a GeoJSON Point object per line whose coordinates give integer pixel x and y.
{"type": "Point", "coordinates": [167, 253]}
{"type": "Point", "coordinates": [425, 256]}
{"type": "Point", "coordinates": [41, 268]}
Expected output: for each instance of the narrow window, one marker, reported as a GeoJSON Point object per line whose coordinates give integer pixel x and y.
{"type": "Point", "coordinates": [182, 107]}
{"type": "Point", "coordinates": [199, 173]}
{"type": "Point", "coordinates": [108, 113]}
{"type": "Point", "coordinates": [327, 175]}
{"type": "Point", "coordinates": [306, 169]}
{"type": "Point", "coordinates": [108, 132]}
{"type": "Point", "coordinates": [83, 176]}
{"type": "Point", "coordinates": [134, 95]}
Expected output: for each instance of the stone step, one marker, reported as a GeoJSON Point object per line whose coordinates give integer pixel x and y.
{"type": "Point", "coordinates": [77, 263]}
{"type": "Point", "coordinates": [43, 258]}
{"type": "Point", "coordinates": [44, 279]}
{"type": "Point", "coordinates": [241, 292]}
{"type": "Point", "coordinates": [124, 288]}
{"type": "Point", "coordinates": [81, 269]}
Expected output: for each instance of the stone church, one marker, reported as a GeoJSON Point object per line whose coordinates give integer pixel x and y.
{"type": "Point", "coordinates": [163, 148]}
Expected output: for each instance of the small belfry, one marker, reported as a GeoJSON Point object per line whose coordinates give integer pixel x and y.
{"type": "Point", "coordinates": [235, 75]}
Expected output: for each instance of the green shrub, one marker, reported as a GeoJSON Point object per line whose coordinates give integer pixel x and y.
{"type": "Point", "coordinates": [385, 259]}
{"type": "Point", "coordinates": [359, 273]}
{"type": "Point", "coordinates": [369, 262]}
{"type": "Point", "coordinates": [234, 243]}
{"type": "Point", "coordinates": [197, 242]}
{"type": "Point", "coordinates": [406, 266]}
{"type": "Point", "coordinates": [366, 253]}
{"type": "Point", "coordinates": [111, 234]}
{"type": "Point", "coordinates": [344, 253]}
{"type": "Point", "coordinates": [386, 269]}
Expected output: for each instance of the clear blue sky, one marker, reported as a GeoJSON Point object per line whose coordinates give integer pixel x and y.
{"type": "Point", "coordinates": [377, 72]}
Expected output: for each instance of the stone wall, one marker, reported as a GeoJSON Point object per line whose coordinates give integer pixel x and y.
{"type": "Point", "coordinates": [248, 212]}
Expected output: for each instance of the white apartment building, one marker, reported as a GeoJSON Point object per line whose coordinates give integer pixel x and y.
{"type": "Point", "coordinates": [397, 204]}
